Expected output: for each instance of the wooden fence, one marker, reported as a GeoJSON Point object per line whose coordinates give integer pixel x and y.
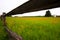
{"type": "Point", "coordinates": [12, 35]}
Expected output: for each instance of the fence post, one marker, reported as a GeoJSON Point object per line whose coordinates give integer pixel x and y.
{"type": "Point", "coordinates": [11, 34]}
{"type": "Point", "coordinates": [3, 18]}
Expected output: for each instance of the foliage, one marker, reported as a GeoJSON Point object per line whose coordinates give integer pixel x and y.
{"type": "Point", "coordinates": [48, 14]}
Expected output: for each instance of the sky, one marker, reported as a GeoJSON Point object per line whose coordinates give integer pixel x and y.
{"type": "Point", "coordinates": [8, 5]}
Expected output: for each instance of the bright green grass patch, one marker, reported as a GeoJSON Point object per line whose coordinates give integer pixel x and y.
{"type": "Point", "coordinates": [3, 34]}
{"type": "Point", "coordinates": [36, 28]}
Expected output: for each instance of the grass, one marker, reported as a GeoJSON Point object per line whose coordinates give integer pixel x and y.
{"type": "Point", "coordinates": [35, 28]}
{"type": "Point", "coordinates": [3, 34]}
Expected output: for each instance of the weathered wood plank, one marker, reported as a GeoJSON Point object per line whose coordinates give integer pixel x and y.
{"type": "Point", "coordinates": [35, 5]}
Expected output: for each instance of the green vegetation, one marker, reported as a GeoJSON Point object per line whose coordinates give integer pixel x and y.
{"type": "Point", "coordinates": [48, 14]}
{"type": "Point", "coordinates": [3, 34]}
{"type": "Point", "coordinates": [35, 28]}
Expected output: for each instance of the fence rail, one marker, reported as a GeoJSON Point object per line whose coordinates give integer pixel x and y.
{"type": "Point", "coordinates": [12, 35]}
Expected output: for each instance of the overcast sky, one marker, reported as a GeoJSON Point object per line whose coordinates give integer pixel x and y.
{"type": "Point", "coordinates": [8, 5]}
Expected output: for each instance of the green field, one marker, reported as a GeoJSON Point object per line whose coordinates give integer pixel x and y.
{"type": "Point", "coordinates": [33, 28]}
{"type": "Point", "coordinates": [3, 33]}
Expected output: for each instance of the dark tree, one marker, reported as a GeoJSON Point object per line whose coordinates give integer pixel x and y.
{"type": "Point", "coordinates": [48, 14]}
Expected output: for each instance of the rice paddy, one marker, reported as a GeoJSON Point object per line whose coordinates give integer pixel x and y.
{"type": "Point", "coordinates": [35, 28]}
